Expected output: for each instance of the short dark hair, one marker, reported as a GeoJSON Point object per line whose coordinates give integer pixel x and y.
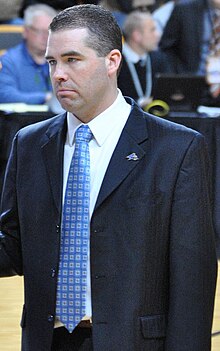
{"type": "Point", "coordinates": [104, 32]}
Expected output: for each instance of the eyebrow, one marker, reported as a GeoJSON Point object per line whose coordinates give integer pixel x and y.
{"type": "Point", "coordinates": [66, 54]}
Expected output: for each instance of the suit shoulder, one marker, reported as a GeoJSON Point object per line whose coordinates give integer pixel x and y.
{"type": "Point", "coordinates": [41, 126]}
{"type": "Point", "coordinates": [168, 126]}
{"type": "Point", "coordinates": [158, 126]}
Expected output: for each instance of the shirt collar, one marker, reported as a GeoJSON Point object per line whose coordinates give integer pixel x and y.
{"type": "Point", "coordinates": [102, 125]}
{"type": "Point", "coordinates": [130, 54]}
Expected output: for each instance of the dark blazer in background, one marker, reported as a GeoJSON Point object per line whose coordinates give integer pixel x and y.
{"type": "Point", "coordinates": [182, 37]}
{"type": "Point", "coordinates": [153, 265]}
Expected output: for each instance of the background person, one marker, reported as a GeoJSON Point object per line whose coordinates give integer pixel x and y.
{"type": "Point", "coordinates": [185, 41]}
{"type": "Point", "coordinates": [141, 57]}
{"type": "Point", "coordinates": [10, 12]}
{"type": "Point", "coordinates": [149, 260]}
{"type": "Point", "coordinates": [121, 8]}
{"type": "Point", "coordinates": [58, 5]}
{"type": "Point", "coordinates": [25, 73]}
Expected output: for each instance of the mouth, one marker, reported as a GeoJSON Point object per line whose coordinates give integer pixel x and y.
{"type": "Point", "coordinates": [63, 92]}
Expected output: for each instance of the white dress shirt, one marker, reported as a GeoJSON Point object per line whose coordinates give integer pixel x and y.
{"type": "Point", "coordinates": [131, 55]}
{"type": "Point", "coordinates": [106, 129]}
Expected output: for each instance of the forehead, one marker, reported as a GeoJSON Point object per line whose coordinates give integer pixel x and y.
{"type": "Point", "coordinates": [42, 20]}
{"type": "Point", "coordinates": [68, 36]}
{"type": "Point", "coordinates": [148, 23]}
{"type": "Point", "coordinates": [69, 39]}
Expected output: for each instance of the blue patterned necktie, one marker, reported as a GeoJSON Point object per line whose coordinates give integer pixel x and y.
{"type": "Point", "coordinates": [72, 276]}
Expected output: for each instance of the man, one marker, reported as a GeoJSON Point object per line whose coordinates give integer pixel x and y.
{"type": "Point", "coordinates": [25, 75]}
{"type": "Point", "coordinates": [141, 59]}
{"type": "Point", "coordinates": [147, 272]}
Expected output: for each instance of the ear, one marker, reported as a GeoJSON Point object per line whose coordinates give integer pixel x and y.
{"type": "Point", "coordinates": [113, 60]}
{"type": "Point", "coordinates": [24, 33]}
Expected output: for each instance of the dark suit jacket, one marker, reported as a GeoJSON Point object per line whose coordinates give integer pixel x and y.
{"type": "Point", "coordinates": [182, 37]}
{"type": "Point", "coordinates": [159, 64]}
{"type": "Point", "coordinates": [153, 266]}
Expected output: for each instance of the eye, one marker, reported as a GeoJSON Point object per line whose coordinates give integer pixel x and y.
{"type": "Point", "coordinates": [71, 59]}
{"type": "Point", "coordinates": [52, 62]}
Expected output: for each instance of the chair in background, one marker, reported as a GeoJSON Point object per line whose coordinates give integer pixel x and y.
{"type": "Point", "coordinates": [10, 35]}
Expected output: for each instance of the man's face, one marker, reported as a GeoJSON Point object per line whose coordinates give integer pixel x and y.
{"type": "Point", "coordinates": [36, 35]}
{"type": "Point", "coordinates": [82, 81]}
{"type": "Point", "coordinates": [149, 36]}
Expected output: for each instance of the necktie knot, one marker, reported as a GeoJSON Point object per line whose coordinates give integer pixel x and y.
{"type": "Point", "coordinates": [83, 133]}
{"type": "Point", "coordinates": [142, 62]}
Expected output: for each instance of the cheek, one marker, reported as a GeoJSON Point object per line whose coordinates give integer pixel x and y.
{"type": "Point", "coordinates": [94, 76]}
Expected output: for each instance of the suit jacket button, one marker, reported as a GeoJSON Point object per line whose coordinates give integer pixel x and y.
{"type": "Point", "coordinates": [50, 318]}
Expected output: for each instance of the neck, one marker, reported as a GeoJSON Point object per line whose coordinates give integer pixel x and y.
{"type": "Point", "coordinates": [136, 48]}
{"type": "Point", "coordinates": [38, 56]}
{"type": "Point", "coordinates": [86, 115]}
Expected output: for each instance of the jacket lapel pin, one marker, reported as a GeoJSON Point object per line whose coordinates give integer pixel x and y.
{"type": "Point", "coordinates": [132, 157]}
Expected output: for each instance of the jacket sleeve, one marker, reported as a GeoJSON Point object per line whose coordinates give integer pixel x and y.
{"type": "Point", "coordinates": [192, 255]}
{"type": "Point", "coordinates": [10, 248]}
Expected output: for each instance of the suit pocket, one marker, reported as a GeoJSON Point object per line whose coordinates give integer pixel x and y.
{"type": "Point", "coordinates": [23, 317]}
{"type": "Point", "coordinates": [153, 326]}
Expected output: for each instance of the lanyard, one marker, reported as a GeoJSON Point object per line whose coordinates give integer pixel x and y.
{"type": "Point", "coordinates": [136, 79]}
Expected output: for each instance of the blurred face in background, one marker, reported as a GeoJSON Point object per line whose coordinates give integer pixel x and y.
{"type": "Point", "coordinates": [148, 36]}
{"type": "Point", "coordinates": [36, 34]}
{"type": "Point", "coordinates": [216, 3]}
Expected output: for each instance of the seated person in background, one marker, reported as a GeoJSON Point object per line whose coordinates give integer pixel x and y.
{"type": "Point", "coordinates": [25, 73]}
{"type": "Point", "coordinates": [58, 5]}
{"type": "Point", "coordinates": [10, 11]}
{"type": "Point", "coordinates": [143, 5]}
{"type": "Point", "coordinates": [141, 59]}
{"type": "Point", "coordinates": [121, 8]}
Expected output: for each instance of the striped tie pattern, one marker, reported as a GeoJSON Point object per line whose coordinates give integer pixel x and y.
{"type": "Point", "coordinates": [72, 276]}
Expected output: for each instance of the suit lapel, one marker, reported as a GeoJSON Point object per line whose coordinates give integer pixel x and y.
{"type": "Point", "coordinates": [134, 133]}
{"type": "Point", "coordinates": [52, 151]}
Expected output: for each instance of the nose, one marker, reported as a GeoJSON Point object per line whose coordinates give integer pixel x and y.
{"type": "Point", "coordinates": [59, 74]}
